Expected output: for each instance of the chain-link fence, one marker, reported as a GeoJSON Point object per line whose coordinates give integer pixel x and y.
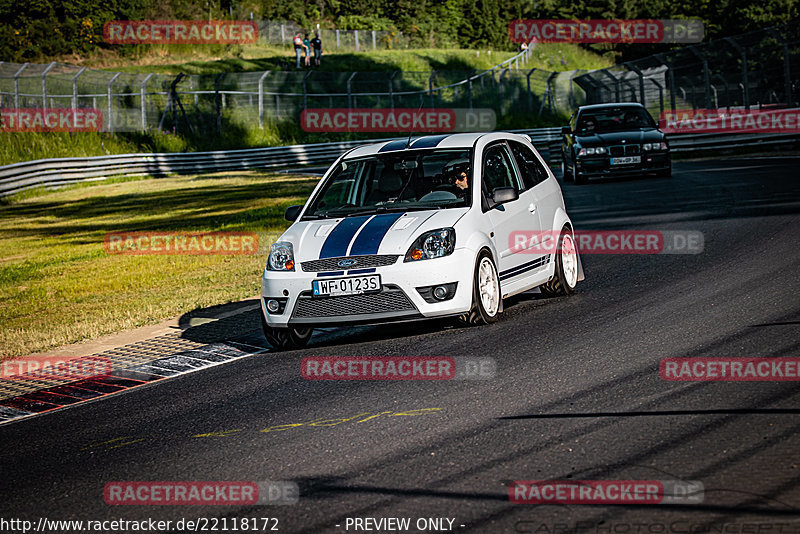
{"type": "Point", "coordinates": [754, 70]}
{"type": "Point", "coordinates": [282, 33]}
{"type": "Point", "coordinates": [204, 103]}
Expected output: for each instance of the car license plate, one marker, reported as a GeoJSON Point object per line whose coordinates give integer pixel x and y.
{"type": "Point", "coordinates": [346, 286]}
{"type": "Point", "coordinates": [626, 160]}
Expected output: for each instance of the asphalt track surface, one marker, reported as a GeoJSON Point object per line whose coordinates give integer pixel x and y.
{"type": "Point", "coordinates": [577, 394]}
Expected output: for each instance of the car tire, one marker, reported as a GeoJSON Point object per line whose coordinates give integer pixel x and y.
{"type": "Point", "coordinates": [286, 338]}
{"type": "Point", "coordinates": [666, 173]}
{"type": "Point", "coordinates": [579, 180]}
{"type": "Point", "coordinates": [566, 175]}
{"type": "Point", "coordinates": [565, 277]}
{"type": "Point", "coordinates": [486, 295]}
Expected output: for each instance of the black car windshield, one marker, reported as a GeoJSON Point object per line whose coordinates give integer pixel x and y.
{"type": "Point", "coordinates": [396, 181]}
{"type": "Point", "coordinates": [613, 119]}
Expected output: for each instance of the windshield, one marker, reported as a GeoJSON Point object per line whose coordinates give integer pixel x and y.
{"type": "Point", "coordinates": [396, 181]}
{"type": "Point", "coordinates": [614, 119]}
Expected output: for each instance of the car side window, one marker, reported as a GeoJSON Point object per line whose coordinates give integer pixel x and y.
{"type": "Point", "coordinates": [533, 173]}
{"type": "Point", "coordinates": [498, 169]}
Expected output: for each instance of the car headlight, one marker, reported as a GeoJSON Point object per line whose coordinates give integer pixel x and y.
{"type": "Point", "coordinates": [281, 257]}
{"type": "Point", "coordinates": [655, 146]}
{"type": "Point", "coordinates": [434, 244]}
{"type": "Point", "coordinates": [592, 151]}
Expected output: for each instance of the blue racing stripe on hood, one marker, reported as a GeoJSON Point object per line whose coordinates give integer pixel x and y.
{"type": "Point", "coordinates": [371, 236]}
{"type": "Point", "coordinates": [339, 239]}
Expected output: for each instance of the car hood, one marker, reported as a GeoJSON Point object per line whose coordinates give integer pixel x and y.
{"type": "Point", "coordinates": [616, 138]}
{"type": "Point", "coordinates": [385, 233]}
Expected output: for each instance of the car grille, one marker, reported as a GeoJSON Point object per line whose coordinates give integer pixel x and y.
{"type": "Point", "coordinates": [362, 262]}
{"type": "Point", "coordinates": [625, 150]}
{"type": "Point", "coordinates": [388, 300]}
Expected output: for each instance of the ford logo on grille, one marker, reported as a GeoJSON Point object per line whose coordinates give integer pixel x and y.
{"type": "Point", "coordinates": [346, 263]}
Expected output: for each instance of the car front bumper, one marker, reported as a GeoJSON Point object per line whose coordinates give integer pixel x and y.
{"type": "Point", "coordinates": [399, 298]}
{"type": "Point", "coordinates": [601, 166]}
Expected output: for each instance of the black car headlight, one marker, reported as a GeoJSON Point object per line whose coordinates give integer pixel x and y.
{"type": "Point", "coordinates": [434, 244]}
{"type": "Point", "coordinates": [281, 257]}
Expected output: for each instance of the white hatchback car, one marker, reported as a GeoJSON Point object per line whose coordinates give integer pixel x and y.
{"type": "Point", "coordinates": [406, 230]}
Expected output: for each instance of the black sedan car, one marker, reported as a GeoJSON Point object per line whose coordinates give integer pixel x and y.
{"type": "Point", "coordinates": [613, 140]}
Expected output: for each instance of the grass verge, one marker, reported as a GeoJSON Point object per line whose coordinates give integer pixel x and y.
{"type": "Point", "coordinates": [58, 285]}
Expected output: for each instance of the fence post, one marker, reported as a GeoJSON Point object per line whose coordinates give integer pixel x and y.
{"type": "Point", "coordinates": [373, 40]}
{"type": "Point", "coordinates": [283, 34]}
{"type": "Point", "coordinates": [217, 101]}
{"type": "Point", "coordinates": [337, 38]}
{"type": "Point", "coordinates": [44, 84]}
{"type": "Point", "coordinates": [640, 74]}
{"type": "Point", "coordinates": [16, 84]}
{"type": "Point", "coordinates": [786, 67]}
{"type": "Point", "coordinates": [356, 34]}
{"type": "Point", "coordinates": [530, 94]}
{"type": "Point", "coordinates": [142, 102]}
{"type": "Point", "coordinates": [706, 76]}
{"type": "Point", "coordinates": [349, 95]}
{"type": "Point", "coordinates": [550, 92]}
{"type": "Point", "coordinates": [660, 95]}
{"type": "Point", "coordinates": [391, 88]}
{"type": "Point", "coordinates": [111, 102]}
{"type": "Point", "coordinates": [261, 99]}
{"type": "Point", "coordinates": [501, 89]}
{"type": "Point", "coordinates": [75, 88]}
{"type": "Point", "coordinates": [745, 82]}
{"type": "Point", "coordinates": [469, 86]}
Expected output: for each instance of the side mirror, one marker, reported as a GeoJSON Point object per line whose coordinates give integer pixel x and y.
{"type": "Point", "coordinates": [501, 195]}
{"type": "Point", "coordinates": [292, 212]}
{"type": "Point", "coordinates": [566, 130]}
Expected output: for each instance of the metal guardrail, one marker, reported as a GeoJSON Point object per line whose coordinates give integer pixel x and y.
{"type": "Point", "coordinates": [18, 177]}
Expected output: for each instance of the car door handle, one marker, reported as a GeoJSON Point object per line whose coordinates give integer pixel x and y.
{"type": "Point", "coordinates": [532, 208]}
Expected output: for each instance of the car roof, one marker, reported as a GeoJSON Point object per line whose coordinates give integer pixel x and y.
{"type": "Point", "coordinates": [611, 105]}
{"type": "Point", "coordinates": [459, 140]}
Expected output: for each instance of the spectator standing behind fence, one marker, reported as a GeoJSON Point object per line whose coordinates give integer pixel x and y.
{"type": "Point", "coordinates": [307, 48]}
{"type": "Point", "coordinates": [298, 46]}
{"type": "Point", "coordinates": [316, 44]}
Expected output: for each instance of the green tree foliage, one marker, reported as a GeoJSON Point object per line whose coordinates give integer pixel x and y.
{"type": "Point", "coordinates": [34, 30]}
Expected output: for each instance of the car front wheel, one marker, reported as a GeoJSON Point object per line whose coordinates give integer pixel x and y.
{"type": "Point", "coordinates": [486, 296]}
{"type": "Point", "coordinates": [566, 175]}
{"type": "Point", "coordinates": [286, 338]}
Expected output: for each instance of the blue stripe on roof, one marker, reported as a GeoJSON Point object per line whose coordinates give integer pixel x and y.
{"type": "Point", "coordinates": [429, 141]}
{"type": "Point", "coordinates": [339, 239]}
{"type": "Point", "coordinates": [371, 236]}
{"type": "Point", "coordinates": [393, 145]}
